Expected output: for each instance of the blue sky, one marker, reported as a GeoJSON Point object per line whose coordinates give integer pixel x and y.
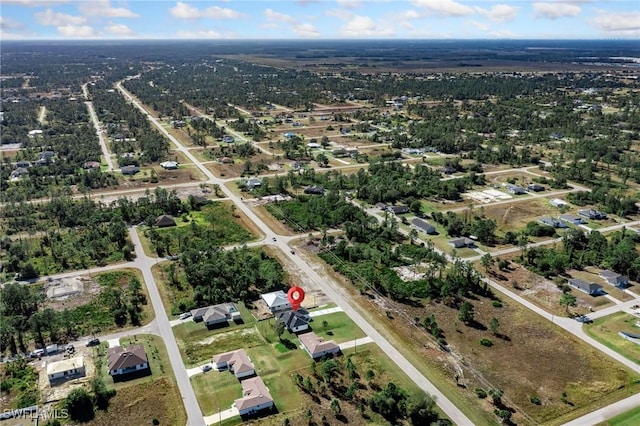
{"type": "Point", "coordinates": [319, 19]}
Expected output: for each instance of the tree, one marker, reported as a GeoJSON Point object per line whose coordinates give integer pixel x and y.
{"type": "Point", "coordinates": [487, 262]}
{"type": "Point", "coordinates": [421, 409]}
{"type": "Point", "coordinates": [496, 396]}
{"type": "Point", "coordinates": [567, 300]}
{"type": "Point", "coordinates": [494, 324]}
{"type": "Point", "coordinates": [102, 394]}
{"type": "Point", "coordinates": [79, 405]}
{"type": "Point", "coordinates": [465, 313]}
{"type": "Point", "coordinates": [329, 369]}
{"type": "Point", "coordinates": [278, 329]}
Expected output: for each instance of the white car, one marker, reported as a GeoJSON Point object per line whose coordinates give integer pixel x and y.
{"type": "Point", "coordinates": [185, 315]}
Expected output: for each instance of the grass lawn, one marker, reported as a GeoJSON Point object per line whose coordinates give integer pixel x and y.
{"type": "Point", "coordinates": [629, 418]}
{"type": "Point", "coordinates": [196, 352]}
{"type": "Point", "coordinates": [339, 327]}
{"type": "Point", "coordinates": [605, 330]}
{"type": "Point", "coordinates": [216, 390]}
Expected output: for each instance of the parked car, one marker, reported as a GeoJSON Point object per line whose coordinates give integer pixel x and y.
{"type": "Point", "coordinates": [584, 319]}
{"type": "Point", "coordinates": [206, 367]}
{"type": "Point", "coordinates": [185, 315]}
{"type": "Point", "coordinates": [93, 342]}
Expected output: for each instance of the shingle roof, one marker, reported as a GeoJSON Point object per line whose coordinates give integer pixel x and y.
{"type": "Point", "coordinates": [254, 392]}
{"type": "Point", "coordinates": [119, 357]}
{"type": "Point", "coordinates": [315, 344]}
{"type": "Point", "coordinates": [239, 360]}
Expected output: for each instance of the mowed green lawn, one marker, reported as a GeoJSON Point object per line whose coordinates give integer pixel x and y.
{"type": "Point", "coordinates": [629, 418]}
{"type": "Point", "coordinates": [605, 330]}
{"type": "Point", "coordinates": [275, 360]}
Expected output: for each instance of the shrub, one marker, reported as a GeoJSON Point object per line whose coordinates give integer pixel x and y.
{"type": "Point", "coordinates": [486, 342]}
{"type": "Point", "coordinates": [481, 393]}
{"type": "Point", "coordinates": [535, 400]}
{"type": "Point", "coordinates": [496, 304]}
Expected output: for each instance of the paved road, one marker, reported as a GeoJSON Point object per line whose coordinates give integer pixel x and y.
{"type": "Point", "coordinates": [96, 123]}
{"type": "Point", "coordinates": [607, 412]}
{"type": "Point", "coordinates": [331, 289]}
{"type": "Point", "coordinates": [194, 415]}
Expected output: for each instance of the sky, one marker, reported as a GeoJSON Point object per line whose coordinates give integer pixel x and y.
{"type": "Point", "coordinates": [319, 19]}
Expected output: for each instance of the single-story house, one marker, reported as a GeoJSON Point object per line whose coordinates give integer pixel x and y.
{"type": "Point", "coordinates": [398, 209]}
{"type": "Point", "coordinates": [237, 362]}
{"type": "Point", "coordinates": [34, 133]}
{"type": "Point", "coordinates": [67, 368]}
{"type": "Point", "coordinates": [169, 165]}
{"type": "Point", "coordinates": [316, 346]}
{"type": "Point", "coordinates": [289, 135]}
{"type": "Point", "coordinates": [571, 218]}
{"type": "Point", "coordinates": [615, 279]}
{"type": "Point", "coordinates": [276, 301]}
{"type": "Point", "coordinates": [225, 160]}
{"type": "Point", "coordinates": [91, 165]}
{"type": "Point", "coordinates": [550, 221]}
{"type": "Point", "coordinates": [591, 289]}
{"type": "Point", "coordinates": [20, 171]}
{"type": "Point", "coordinates": [228, 139]}
{"type": "Point", "coordinates": [448, 170]}
{"type": "Point", "coordinates": [423, 226]}
{"type": "Point", "coordinates": [315, 190]}
{"type": "Point", "coordinates": [255, 397]}
{"type": "Point", "coordinates": [121, 360]}
{"type": "Point", "coordinates": [592, 214]}
{"type": "Point", "coordinates": [129, 170]}
{"type": "Point", "coordinates": [293, 321]}
{"type": "Point", "coordinates": [216, 314]}
{"type": "Point", "coordinates": [165, 221]}
{"type": "Point", "coordinates": [535, 187]}
{"type": "Point", "coordinates": [381, 206]}
{"type": "Point", "coordinates": [557, 202]}
{"type": "Point", "coordinates": [46, 155]}
{"type": "Point", "coordinates": [461, 242]}
{"type": "Point", "coordinates": [314, 145]}
{"type": "Point", "coordinates": [23, 164]}
{"type": "Point", "coordinates": [515, 189]}
{"type": "Point", "coordinates": [253, 183]}
{"type": "Point", "coordinates": [339, 153]}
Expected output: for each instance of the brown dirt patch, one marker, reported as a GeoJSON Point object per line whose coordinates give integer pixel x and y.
{"type": "Point", "coordinates": [140, 404]}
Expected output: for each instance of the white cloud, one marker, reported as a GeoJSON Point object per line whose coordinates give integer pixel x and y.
{"type": "Point", "coordinates": [200, 34]}
{"type": "Point", "coordinates": [119, 30]}
{"type": "Point", "coordinates": [9, 24]}
{"type": "Point", "coordinates": [273, 16]}
{"type": "Point", "coordinates": [480, 25]}
{"type": "Point", "coordinates": [306, 30]}
{"type": "Point", "coordinates": [499, 12]}
{"type": "Point", "coordinates": [77, 31]}
{"type": "Point", "coordinates": [617, 22]}
{"type": "Point", "coordinates": [556, 10]}
{"type": "Point", "coordinates": [349, 4]}
{"type": "Point", "coordinates": [103, 8]}
{"type": "Point", "coordinates": [55, 19]}
{"type": "Point", "coordinates": [34, 3]}
{"type": "Point", "coordinates": [185, 11]}
{"type": "Point", "coordinates": [444, 7]}
{"type": "Point", "coordinates": [363, 26]}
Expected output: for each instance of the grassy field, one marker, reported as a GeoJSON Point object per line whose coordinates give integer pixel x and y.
{"type": "Point", "coordinates": [339, 327]}
{"type": "Point", "coordinates": [215, 390]}
{"type": "Point", "coordinates": [140, 403]}
{"type": "Point", "coordinates": [605, 330]}
{"type": "Point", "coordinates": [629, 418]}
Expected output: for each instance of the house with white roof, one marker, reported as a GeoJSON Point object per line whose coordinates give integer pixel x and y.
{"type": "Point", "coordinates": [276, 301]}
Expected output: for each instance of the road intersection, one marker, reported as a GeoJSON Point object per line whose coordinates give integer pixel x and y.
{"type": "Point", "coordinates": [162, 326]}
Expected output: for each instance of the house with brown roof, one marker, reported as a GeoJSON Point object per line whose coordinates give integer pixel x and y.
{"type": "Point", "coordinates": [122, 361]}
{"type": "Point", "coordinates": [255, 397]}
{"type": "Point", "coordinates": [164, 221]}
{"type": "Point", "coordinates": [238, 362]}
{"type": "Point", "coordinates": [316, 346]}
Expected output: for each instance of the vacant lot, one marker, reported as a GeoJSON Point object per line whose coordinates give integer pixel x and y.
{"type": "Point", "coordinates": [141, 403]}
{"type": "Point", "coordinates": [605, 330]}
{"type": "Point", "coordinates": [514, 216]}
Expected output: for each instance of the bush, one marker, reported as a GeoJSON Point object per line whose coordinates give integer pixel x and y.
{"type": "Point", "coordinates": [535, 400]}
{"type": "Point", "coordinates": [496, 304]}
{"type": "Point", "coordinates": [486, 342]}
{"type": "Point", "coordinates": [481, 393]}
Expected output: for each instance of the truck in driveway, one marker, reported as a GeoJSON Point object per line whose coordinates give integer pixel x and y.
{"type": "Point", "coordinates": [51, 349]}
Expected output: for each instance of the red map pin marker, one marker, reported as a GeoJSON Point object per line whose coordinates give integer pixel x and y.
{"type": "Point", "coordinates": [295, 296]}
